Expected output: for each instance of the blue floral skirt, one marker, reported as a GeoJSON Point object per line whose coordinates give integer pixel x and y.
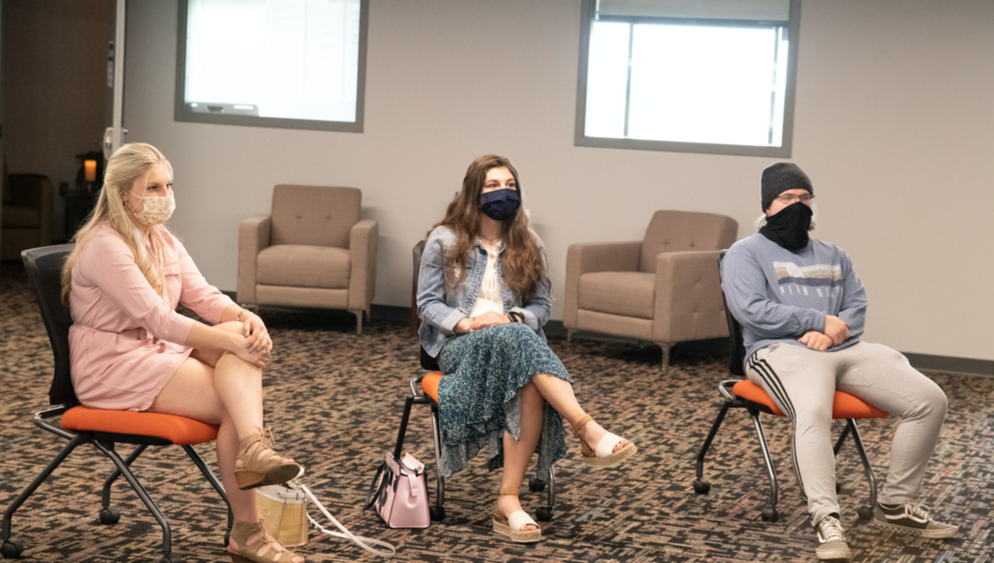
{"type": "Point", "coordinates": [480, 395]}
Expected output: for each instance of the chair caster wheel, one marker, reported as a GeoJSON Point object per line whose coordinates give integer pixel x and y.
{"type": "Point", "coordinates": [171, 558]}
{"type": "Point", "coordinates": [865, 512]}
{"type": "Point", "coordinates": [544, 514]}
{"type": "Point", "coordinates": [436, 513]}
{"type": "Point", "coordinates": [702, 486]}
{"type": "Point", "coordinates": [536, 485]}
{"type": "Point", "coordinates": [110, 515]}
{"type": "Point", "coordinates": [11, 549]}
{"type": "Point", "coordinates": [770, 514]}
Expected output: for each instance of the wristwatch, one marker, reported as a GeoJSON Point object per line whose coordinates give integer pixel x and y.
{"type": "Point", "coordinates": [516, 317]}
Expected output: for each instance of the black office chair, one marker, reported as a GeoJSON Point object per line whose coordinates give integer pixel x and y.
{"type": "Point", "coordinates": [101, 428]}
{"type": "Point", "coordinates": [424, 391]}
{"type": "Point", "coordinates": [744, 394]}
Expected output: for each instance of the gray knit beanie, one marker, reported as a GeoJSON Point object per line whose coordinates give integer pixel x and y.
{"type": "Point", "coordinates": [780, 177]}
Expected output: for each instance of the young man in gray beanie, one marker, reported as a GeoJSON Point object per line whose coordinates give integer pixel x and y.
{"type": "Point", "coordinates": [802, 311]}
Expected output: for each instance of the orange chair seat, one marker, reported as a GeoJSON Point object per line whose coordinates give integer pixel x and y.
{"type": "Point", "coordinates": [179, 430]}
{"type": "Point", "coordinates": [845, 406]}
{"type": "Point", "coordinates": [430, 385]}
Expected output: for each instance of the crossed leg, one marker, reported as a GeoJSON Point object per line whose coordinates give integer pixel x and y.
{"type": "Point", "coordinates": [224, 390]}
{"type": "Point", "coordinates": [518, 453]}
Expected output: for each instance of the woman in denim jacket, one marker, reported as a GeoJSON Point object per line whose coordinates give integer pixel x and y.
{"type": "Point", "coordinates": [483, 298]}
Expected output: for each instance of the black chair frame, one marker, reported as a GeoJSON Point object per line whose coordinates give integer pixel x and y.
{"type": "Point", "coordinates": [44, 266]}
{"type": "Point", "coordinates": [736, 359]}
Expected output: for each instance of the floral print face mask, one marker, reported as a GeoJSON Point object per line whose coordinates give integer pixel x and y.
{"type": "Point", "coordinates": [155, 210]}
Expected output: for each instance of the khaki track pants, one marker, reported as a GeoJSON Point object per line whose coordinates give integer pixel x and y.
{"type": "Point", "coordinates": [802, 382]}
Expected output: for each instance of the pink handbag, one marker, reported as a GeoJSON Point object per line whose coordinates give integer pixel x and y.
{"type": "Point", "coordinates": [399, 493]}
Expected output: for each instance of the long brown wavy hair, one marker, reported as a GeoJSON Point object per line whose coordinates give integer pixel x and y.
{"type": "Point", "coordinates": [521, 263]}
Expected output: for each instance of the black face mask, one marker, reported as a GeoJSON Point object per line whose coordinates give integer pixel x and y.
{"type": "Point", "coordinates": [500, 204]}
{"type": "Point", "coordinates": [789, 227]}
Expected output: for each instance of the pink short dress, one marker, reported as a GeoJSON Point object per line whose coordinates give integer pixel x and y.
{"type": "Point", "coordinates": [126, 341]}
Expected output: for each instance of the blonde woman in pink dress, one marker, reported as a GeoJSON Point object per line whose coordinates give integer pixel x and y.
{"type": "Point", "coordinates": [131, 350]}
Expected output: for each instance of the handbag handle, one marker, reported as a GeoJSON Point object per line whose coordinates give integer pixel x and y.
{"type": "Point", "coordinates": [416, 470]}
{"type": "Point", "coordinates": [359, 540]}
{"type": "Point", "coordinates": [373, 488]}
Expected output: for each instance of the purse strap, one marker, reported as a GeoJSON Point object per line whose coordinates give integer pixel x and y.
{"type": "Point", "coordinates": [374, 489]}
{"type": "Point", "coordinates": [361, 541]}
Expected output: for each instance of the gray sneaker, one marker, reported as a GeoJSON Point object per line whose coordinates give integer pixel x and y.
{"type": "Point", "coordinates": [831, 539]}
{"type": "Point", "coordinates": [912, 518]}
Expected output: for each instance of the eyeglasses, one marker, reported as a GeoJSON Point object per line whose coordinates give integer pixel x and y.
{"type": "Point", "coordinates": [790, 199]}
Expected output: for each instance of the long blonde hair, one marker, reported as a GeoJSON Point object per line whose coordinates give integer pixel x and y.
{"type": "Point", "coordinates": [521, 264]}
{"type": "Point", "coordinates": [128, 164]}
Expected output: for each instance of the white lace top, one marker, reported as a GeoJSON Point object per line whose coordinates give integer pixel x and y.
{"type": "Point", "coordinates": [489, 299]}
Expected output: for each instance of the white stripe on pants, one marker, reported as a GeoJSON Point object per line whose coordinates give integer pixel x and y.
{"type": "Point", "coordinates": [803, 382]}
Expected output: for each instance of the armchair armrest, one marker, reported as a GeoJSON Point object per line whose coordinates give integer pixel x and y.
{"type": "Point", "coordinates": [363, 239]}
{"type": "Point", "coordinates": [253, 237]}
{"type": "Point", "coordinates": [688, 297]}
{"type": "Point", "coordinates": [595, 257]}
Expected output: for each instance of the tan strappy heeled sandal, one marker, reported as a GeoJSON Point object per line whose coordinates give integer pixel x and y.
{"type": "Point", "coordinates": [603, 455]}
{"type": "Point", "coordinates": [250, 542]}
{"type": "Point", "coordinates": [259, 465]}
{"type": "Point", "coordinates": [511, 525]}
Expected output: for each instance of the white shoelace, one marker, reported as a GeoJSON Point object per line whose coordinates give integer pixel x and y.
{"type": "Point", "coordinates": [917, 511]}
{"type": "Point", "coordinates": [830, 529]}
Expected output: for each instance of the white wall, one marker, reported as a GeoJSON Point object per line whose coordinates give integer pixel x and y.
{"type": "Point", "coordinates": [893, 121]}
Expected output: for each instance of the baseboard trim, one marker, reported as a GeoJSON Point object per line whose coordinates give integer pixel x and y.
{"type": "Point", "coordinates": [377, 313]}
{"type": "Point", "coordinates": [950, 364]}
{"type": "Point", "coordinates": [922, 362]}
{"type": "Point", "coordinates": [555, 330]}
{"type": "Point", "coordinates": [390, 313]}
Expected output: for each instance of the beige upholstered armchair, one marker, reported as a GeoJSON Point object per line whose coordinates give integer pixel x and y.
{"type": "Point", "coordinates": [27, 214]}
{"type": "Point", "coordinates": [663, 289]}
{"type": "Point", "coordinates": [313, 251]}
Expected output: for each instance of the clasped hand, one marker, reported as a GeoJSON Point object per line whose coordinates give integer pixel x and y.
{"type": "Point", "coordinates": [490, 318]}
{"type": "Point", "coordinates": [836, 332]}
{"type": "Point", "coordinates": [258, 344]}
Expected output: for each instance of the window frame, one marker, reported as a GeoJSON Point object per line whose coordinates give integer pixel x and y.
{"type": "Point", "coordinates": [183, 115]}
{"type": "Point", "coordinates": [587, 12]}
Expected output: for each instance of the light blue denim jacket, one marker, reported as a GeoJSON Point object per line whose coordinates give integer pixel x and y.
{"type": "Point", "coordinates": [440, 311]}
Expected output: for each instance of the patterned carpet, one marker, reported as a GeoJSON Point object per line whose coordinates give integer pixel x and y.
{"type": "Point", "coordinates": [335, 399]}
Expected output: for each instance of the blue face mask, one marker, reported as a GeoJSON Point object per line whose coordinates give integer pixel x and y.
{"type": "Point", "coordinates": [500, 204]}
